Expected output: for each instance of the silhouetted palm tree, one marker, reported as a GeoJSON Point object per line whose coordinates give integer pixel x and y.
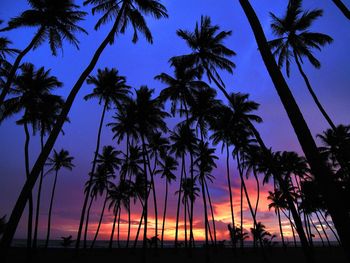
{"type": "Point", "coordinates": [184, 141]}
{"type": "Point", "coordinates": [205, 163]}
{"type": "Point", "coordinates": [30, 89]}
{"type": "Point", "coordinates": [47, 113]}
{"type": "Point", "coordinates": [59, 160]}
{"type": "Point", "coordinates": [127, 12]}
{"type": "Point", "coordinates": [108, 162]}
{"type": "Point", "coordinates": [321, 172]}
{"type": "Point", "coordinates": [167, 167]}
{"type": "Point", "coordinates": [149, 119]}
{"type": "Point", "coordinates": [56, 20]}
{"type": "Point", "coordinates": [2, 224]}
{"type": "Point", "coordinates": [295, 41]}
{"type": "Point", "coordinates": [110, 89]}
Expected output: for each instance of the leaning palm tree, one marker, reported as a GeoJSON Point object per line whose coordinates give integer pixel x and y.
{"type": "Point", "coordinates": [295, 41]}
{"type": "Point", "coordinates": [167, 167]}
{"type": "Point", "coordinates": [59, 160]}
{"type": "Point", "coordinates": [321, 172]}
{"type": "Point", "coordinates": [31, 89]}
{"type": "Point", "coordinates": [343, 8]}
{"type": "Point", "coordinates": [56, 21]}
{"type": "Point", "coordinates": [122, 13]}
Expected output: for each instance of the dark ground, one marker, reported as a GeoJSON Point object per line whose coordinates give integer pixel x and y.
{"type": "Point", "coordinates": [170, 255]}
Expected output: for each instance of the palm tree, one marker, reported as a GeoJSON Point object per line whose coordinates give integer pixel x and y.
{"type": "Point", "coordinates": [59, 160]}
{"type": "Point", "coordinates": [127, 12]}
{"type": "Point", "coordinates": [47, 113]}
{"type": "Point", "coordinates": [278, 203]}
{"type": "Point", "coordinates": [2, 224]}
{"type": "Point", "coordinates": [56, 20]}
{"type": "Point", "coordinates": [320, 170]}
{"type": "Point", "coordinates": [294, 40]}
{"type": "Point", "coordinates": [110, 89]}
{"type": "Point", "coordinates": [31, 89]}
{"type": "Point", "coordinates": [205, 162]}
{"type": "Point", "coordinates": [167, 166]}
{"type": "Point", "coordinates": [183, 141]}
{"type": "Point", "coordinates": [149, 119]}
{"type": "Point", "coordinates": [109, 162]}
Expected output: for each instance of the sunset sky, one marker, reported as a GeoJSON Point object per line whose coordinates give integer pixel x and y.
{"type": "Point", "coordinates": [140, 63]}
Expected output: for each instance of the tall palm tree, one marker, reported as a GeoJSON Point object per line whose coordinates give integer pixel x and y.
{"type": "Point", "coordinates": [59, 160]}
{"type": "Point", "coordinates": [109, 162]}
{"type": "Point", "coordinates": [56, 20]}
{"type": "Point", "coordinates": [295, 41]}
{"type": "Point", "coordinates": [110, 89]}
{"type": "Point", "coordinates": [167, 167]}
{"type": "Point", "coordinates": [149, 120]}
{"type": "Point", "coordinates": [278, 203]}
{"type": "Point", "coordinates": [205, 162]}
{"type": "Point", "coordinates": [31, 88]}
{"type": "Point", "coordinates": [320, 170]}
{"type": "Point", "coordinates": [123, 13]}
{"type": "Point", "coordinates": [47, 113]}
{"type": "Point", "coordinates": [184, 141]}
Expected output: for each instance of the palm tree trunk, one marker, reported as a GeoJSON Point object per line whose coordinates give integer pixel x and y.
{"type": "Point", "coordinates": [100, 221]}
{"type": "Point", "coordinates": [88, 189]}
{"type": "Point", "coordinates": [249, 203]}
{"type": "Point", "coordinates": [35, 238]}
{"type": "Point", "coordinates": [118, 228]}
{"type": "Point", "coordinates": [15, 66]}
{"type": "Point", "coordinates": [179, 201]}
{"type": "Point", "coordinates": [241, 212]}
{"type": "Point", "coordinates": [50, 211]}
{"type": "Point", "coordinates": [331, 228]}
{"type": "Point", "coordinates": [212, 211]}
{"type": "Point", "coordinates": [321, 172]}
{"type": "Point", "coordinates": [205, 211]}
{"type": "Point", "coordinates": [292, 227]}
{"type": "Point", "coordinates": [313, 94]}
{"type": "Point", "coordinates": [229, 187]}
{"type": "Point", "coordinates": [87, 222]}
{"type": "Point", "coordinates": [342, 7]}
{"type": "Point", "coordinates": [185, 220]}
{"type": "Point", "coordinates": [164, 214]}
{"type": "Point", "coordinates": [30, 199]}
{"type": "Point", "coordinates": [110, 245]}
{"type": "Point", "coordinates": [323, 230]}
{"type": "Point", "coordinates": [139, 227]}
{"type": "Point", "coordinates": [146, 190]}
{"type": "Point", "coordinates": [280, 225]}
{"type": "Point", "coordinates": [129, 212]}
{"type": "Point", "coordinates": [28, 186]}
{"type": "Point", "coordinates": [318, 232]}
{"type": "Point", "coordinates": [258, 192]}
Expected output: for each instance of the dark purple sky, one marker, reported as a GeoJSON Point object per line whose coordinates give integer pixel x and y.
{"type": "Point", "coordinates": [141, 62]}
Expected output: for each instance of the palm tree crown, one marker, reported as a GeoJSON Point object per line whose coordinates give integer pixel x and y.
{"type": "Point", "coordinates": [61, 159]}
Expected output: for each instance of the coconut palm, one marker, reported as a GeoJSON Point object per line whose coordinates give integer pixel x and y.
{"type": "Point", "coordinates": [167, 166]}
{"type": "Point", "coordinates": [295, 41]}
{"type": "Point", "coordinates": [123, 14]}
{"type": "Point", "coordinates": [183, 141]}
{"type": "Point", "coordinates": [321, 172]}
{"type": "Point", "coordinates": [47, 113]}
{"type": "Point", "coordinates": [31, 89]}
{"type": "Point", "coordinates": [55, 21]}
{"type": "Point", "coordinates": [59, 160]}
{"type": "Point", "coordinates": [205, 163]}
{"type": "Point", "coordinates": [278, 202]}
{"type": "Point", "coordinates": [110, 89]}
{"type": "Point", "coordinates": [109, 162]}
{"type": "Point", "coordinates": [149, 119]}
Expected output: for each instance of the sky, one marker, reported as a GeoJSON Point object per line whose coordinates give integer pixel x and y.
{"type": "Point", "coordinates": [140, 63]}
